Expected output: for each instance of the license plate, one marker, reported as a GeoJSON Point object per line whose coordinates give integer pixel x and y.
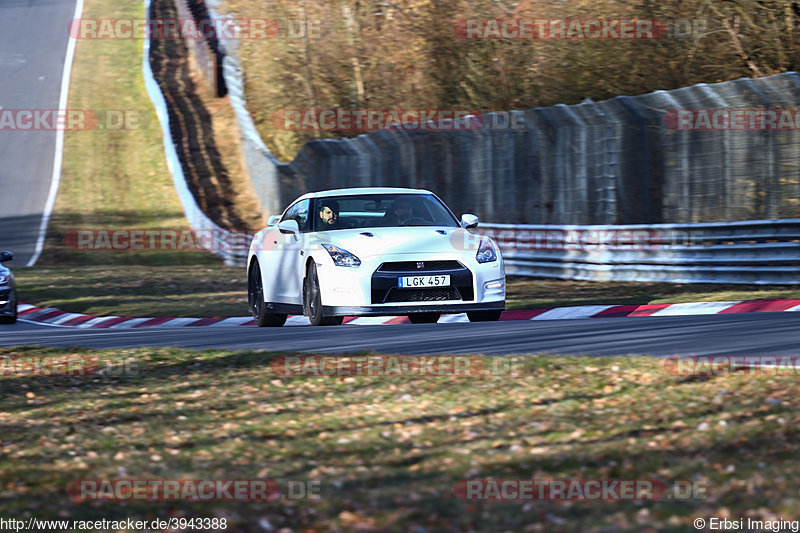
{"type": "Point", "coordinates": [423, 281]}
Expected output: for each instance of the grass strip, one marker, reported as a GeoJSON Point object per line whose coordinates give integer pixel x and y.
{"type": "Point", "coordinates": [388, 450]}
{"type": "Point", "coordinates": [115, 176]}
{"type": "Point", "coordinates": [208, 290]}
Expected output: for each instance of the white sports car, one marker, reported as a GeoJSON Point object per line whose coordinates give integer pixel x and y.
{"type": "Point", "coordinates": [372, 252]}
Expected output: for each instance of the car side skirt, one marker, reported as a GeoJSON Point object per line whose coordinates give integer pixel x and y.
{"type": "Point", "coordinates": [283, 309]}
{"type": "Point", "coordinates": [384, 310]}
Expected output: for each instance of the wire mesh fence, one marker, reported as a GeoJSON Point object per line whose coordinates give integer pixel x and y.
{"type": "Point", "coordinates": [629, 160]}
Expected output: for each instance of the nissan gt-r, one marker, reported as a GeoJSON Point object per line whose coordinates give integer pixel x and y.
{"type": "Point", "coordinates": [372, 252]}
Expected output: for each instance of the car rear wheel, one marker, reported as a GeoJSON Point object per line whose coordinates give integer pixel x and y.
{"type": "Point", "coordinates": [484, 316]}
{"type": "Point", "coordinates": [424, 318]}
{"type": "Point", "coordinates": [312, 300]}
{"type": "Point", "coordinates": [255, 297]}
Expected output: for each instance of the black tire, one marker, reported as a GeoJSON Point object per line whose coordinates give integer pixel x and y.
{"type": "Point", "coordinates": [255, 299]}
{"type": "Point", "coordinates": [10, 319]}
{"type": "Point", "coordinates": [312, 300]}
{"type": "Point", "coordinates": [424, 318]}
{"type": "Point", "coordinates": [484, 316]}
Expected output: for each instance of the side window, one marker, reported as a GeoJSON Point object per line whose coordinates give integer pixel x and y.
{"type": "Point", "coordinates": [299, 213]}
{"type": "Point", "coordinates": [290, 213]}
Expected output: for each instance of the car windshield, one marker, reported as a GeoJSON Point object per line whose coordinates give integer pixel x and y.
{"type": "Point", "coordinates": [380, 211]}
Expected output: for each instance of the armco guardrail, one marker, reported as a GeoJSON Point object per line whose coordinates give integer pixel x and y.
{"type": "Point", "coordinates": [753, 252]}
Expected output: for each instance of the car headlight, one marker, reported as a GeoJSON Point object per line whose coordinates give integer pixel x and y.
{"type": "Point", "coordinates": [3, 279]}
{"type": "Point", "coordinates": [486, 252]}
{"type": "Point", "coordinates": [342, 257]}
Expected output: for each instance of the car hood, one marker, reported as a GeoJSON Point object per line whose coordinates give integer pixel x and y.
{"type": "Point", "coordinates": [407, 240]}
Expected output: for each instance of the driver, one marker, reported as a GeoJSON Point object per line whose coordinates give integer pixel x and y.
{"type": "Point", "coordinates": [402, 211]}
{"type": "Point", "coordinates": [328, 214]}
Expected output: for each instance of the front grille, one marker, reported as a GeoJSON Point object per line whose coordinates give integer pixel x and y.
{"type": "Point", "coordinates": [385, 286]}
{"type": "Point", "coordinates": [422, 295]}
{"type": "Point", "coordinates": [411, 266]}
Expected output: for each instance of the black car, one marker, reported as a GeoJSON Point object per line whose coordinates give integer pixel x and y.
{"type": "Point", "coordinates": [8, 291]}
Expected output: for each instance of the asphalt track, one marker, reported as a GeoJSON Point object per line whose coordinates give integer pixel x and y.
{"type": "Point", "coordinates": [774, 334]}
{"type": "Point", "coordinates": [33, 45]}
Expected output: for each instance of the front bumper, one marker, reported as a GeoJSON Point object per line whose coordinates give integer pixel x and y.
{"type": "Point", "coordinates": [408, 309]}
{"type": "Point", "coordinates": [368, 291]}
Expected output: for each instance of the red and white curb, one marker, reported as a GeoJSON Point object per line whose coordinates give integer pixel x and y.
{"type": "Point", "coordinates": [58, 318]}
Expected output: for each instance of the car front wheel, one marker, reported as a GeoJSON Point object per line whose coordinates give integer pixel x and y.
{"type": "Point", "coordinates": [13, 318]}
{"type": "Point", "coordinates": [312, 300]}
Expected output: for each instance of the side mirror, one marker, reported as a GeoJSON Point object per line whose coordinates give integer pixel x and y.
{"type": "Point", "coordinates": [272, 220]}
{"type": "Point", "coordinates": [289, 226]}
{"type": "Point", "coordinates": [469, 221]}
{"type": "Point", "coordinates": [6, 256]}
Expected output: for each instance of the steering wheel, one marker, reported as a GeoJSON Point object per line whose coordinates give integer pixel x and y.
{"type": "Point", "coordinates": [412, 220]}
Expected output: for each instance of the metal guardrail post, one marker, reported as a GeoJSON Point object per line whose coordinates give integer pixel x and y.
{"type": "Point", "coordinates": [771, 185]}
{"type": "Point", "coordinates": [682, 159]}
{"type": "Point", "coordinates": [580, 171]}
{"type": "Point", "coordinates": [557, 178]}
{"type": "Point", "coordinates": [726, 151]}
{"type": "Point", "coordinates": [645, 151]}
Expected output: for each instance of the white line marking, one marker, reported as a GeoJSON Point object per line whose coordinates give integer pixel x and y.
{"type": "Point", "coordinates": [233, 321]}
{"type": "Point", "coordinates": [63, 102]}
{"type": "Point", "coordinates": [174, 323]}
{"type": "Point", "coordinates": [130, 323]}
{"type": "Point", "coordinates": [65, 318]}
{"type": "Point", "coordinates": [795, 308]}
{"type": "Point", "coordinates": [694, 308]}
{"type": "Point", "coordinates": [562, 313]}
{"type": "Point", "coordinates": [298, 320]}
{"type": "Point", "coordinates": [370, 320]}
{"type": "Point", "coordinates": [43, 323]}
{"type": "Point", "coordinates": [95, 321]}
{"type": "Point", "coordinates": [447, 319]}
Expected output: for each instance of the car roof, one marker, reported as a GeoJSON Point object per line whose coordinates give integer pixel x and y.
{"type": "Point", "coordinates": [362, 190]}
